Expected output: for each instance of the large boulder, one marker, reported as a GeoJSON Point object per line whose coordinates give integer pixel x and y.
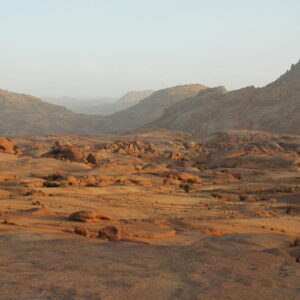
{"type": "Point", "coordinates": [111, 233]}
{"type": "Point", "coordinates": [7, 146]}
{"type": "Point", "coordinates": [192, 146]}
{"type": "Point", "coordinates": [74, 154]}
{"type": "Point", "coordinates": [66, 152]}
{"type": "Point", "coordinates": [185, 177]}
{"type": "Point", "coordinates": [93, 159]}
{"type": "Point", "coordinates": [81, 230]}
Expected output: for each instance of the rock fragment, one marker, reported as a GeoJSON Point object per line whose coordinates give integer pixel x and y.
{"type": "Point", "coordinates": [111, 233]}
{"type": "Point", "coordinates": [7, 146]}
{"type": "Point", "coordinates": [81, 230]}
{"type": "Point", "coordinates": [87, 216]}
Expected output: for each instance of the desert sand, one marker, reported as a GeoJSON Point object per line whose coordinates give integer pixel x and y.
{"type": "Point", "coordinates": [150, 215]}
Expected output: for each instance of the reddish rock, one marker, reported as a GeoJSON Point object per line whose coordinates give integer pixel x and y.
{"type": "Point", "coordinates": [186, 187]}
{"type": "Point", "coordinates": [7, 146]}
{"type": "Point", "coordinates": [132, 148]}
{"type": "Point", "coordinates": [39, 203]}
{"type": "Point", "coordinates": [185, 177]}
{"type": "Point", "coordinates": [175, 155]}
{"type": "Point", "coordinates": [74, 154]}
{"type": "Point", "coordinates": [93, 159]}
{"type": "Point", "coordinates": [192, 146]}
{"type": "Point", "coordinates": [87, 215]}
{"type": "Point", "coordinates": [89, 180]}
{"type": "Point", "coordinates": [172, 181]}
{"type": "Point", "coordinates": [72, 180]}
{"type": "Point", "coordinates": [111, 233]}
{"type": "Point", "coordinates": [67, 153]}
{"type": "Point", "coordinates": [189, 178]}
{"type": "Point", "coordinates": [81, 230]}
{"type": "Point", "coordinates": [34, 193]}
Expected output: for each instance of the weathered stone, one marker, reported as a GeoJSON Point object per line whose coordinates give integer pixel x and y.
{"type": "Point", "coordinates": [111, 233]}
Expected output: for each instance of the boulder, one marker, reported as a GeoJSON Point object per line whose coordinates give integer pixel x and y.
{"type": "Point", "coordinates": [67, 153]}
{"type": "Point", "coordinates": [87, 216]}
{"type": "Point", "coordinates": [7, 146]}
{"type": "Point", "coordinates": [81, 230]}
{"type": "Point", "coordinates": [132, 148]}
{"type": "Point", "coordinates": [175, 155]}
{"type": "Point", "coordinates": [111, 233]}
{"type": "Point", "coordinates": [192, 146]}
{"type": "Point", "coordinates": [72, 181]}
{"type": "Point", "coordinates": [185, 177]}
{"type": "Point", "coordinates": [93, 159]}
{"type": "Point", "coordinates": [189, 178]}
{"type": "Point", "coordinates": [74, 154]}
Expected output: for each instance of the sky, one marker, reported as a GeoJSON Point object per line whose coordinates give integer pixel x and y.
{"type": "Point", "coordinates": [96, 48]}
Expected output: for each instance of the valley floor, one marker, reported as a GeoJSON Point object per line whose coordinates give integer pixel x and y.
{"type": "Point", "coordinates": [173, 223]}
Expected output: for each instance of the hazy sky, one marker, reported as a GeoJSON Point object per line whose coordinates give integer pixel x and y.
{"type": "Point", "coordinates": [93, 48]}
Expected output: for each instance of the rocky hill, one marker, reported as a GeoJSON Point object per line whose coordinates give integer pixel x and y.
{"type": "Point", "coordinates": [275, 108]}
{"type": "Point", "coordinates": [24, 114]}
{"type": "Point", "coordinates": [194, 108]}
{"type": "Point", "coordinates": [111, 107]}
{"type": "Point", "coordinates": [135, 96]}
{"type": "Point", "coordinates": [150, 108]}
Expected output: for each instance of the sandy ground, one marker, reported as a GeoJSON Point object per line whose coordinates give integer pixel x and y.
{"type": "Point", "coordinates": [227, 238]}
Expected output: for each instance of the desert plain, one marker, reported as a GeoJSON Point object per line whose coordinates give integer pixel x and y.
{"type": "Point", "coordinates": [150, 214]}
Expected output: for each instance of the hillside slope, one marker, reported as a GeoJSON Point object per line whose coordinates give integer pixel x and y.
{"type": "Point", "coordinates": [150, 108]}
{"type": "Point", "coordinates": [111, 107]}
{"type": "Point", "coordinates": [84, 105]}
{"type": "Point", "coordinates": [134, 97]}
{"type": "Point", "coordinates": [275, 108]}
{"type": "Point", "coordinates": [102, 106]}
{"type": "Point", "coordinates": [24, 114]}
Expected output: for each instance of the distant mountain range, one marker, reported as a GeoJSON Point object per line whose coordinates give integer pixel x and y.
{"type": "Point", "coordinates": [102, 106]}
{"type": "Point", "coordinates": [148, 109]}
{"type": "Point", "coordinates": [69, 102]}
{"type": "Point", "coordinates": [192, 108]}
{"type": "Point", "coordinates": [23, 114]}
